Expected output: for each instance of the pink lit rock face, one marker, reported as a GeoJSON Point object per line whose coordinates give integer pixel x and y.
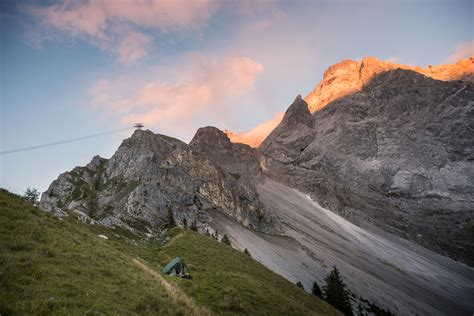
{"type": "Point", "coordinates": [256, 135]}
{"type": "Point", "coordinates": [350, 76]}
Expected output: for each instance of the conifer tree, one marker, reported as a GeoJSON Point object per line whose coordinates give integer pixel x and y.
{"type": "Point", "coordinates": [300, 285]}
{"type": "Point", "coordinates": [336, 292]}
{"type": "Point", "coordinates": [316, 290]}
{"type": "Point", "coordinates": [246, 251]}
{"type": "Point", "coordinates": [226, 240]}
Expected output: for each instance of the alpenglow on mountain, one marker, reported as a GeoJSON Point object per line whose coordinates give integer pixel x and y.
{"type": "Point", "coordinates": [371, 172]}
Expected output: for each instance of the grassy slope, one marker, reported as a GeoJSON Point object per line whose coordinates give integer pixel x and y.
{"type": "Point", "coordinates": [51, 266]}
{"type": "Point", "coordinates": [228, 281]}
{"type": "Point", "coordinates": [48, 265]}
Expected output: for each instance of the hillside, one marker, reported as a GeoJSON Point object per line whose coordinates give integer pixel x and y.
{"type": "Point", "coordinates": [62, 266]}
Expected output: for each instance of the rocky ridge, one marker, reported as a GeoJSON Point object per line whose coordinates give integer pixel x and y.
{"type": "Point", "coordinates": [149, 176]}
{"type": "Point", "coordinates": [350, 76]}
{"type": "Point", "coordinates": [397, 154]}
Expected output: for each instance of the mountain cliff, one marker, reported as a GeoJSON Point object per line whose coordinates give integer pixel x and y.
{"type": "Point", "coordinates": [398, 153]}
{"type": "Point", "coordinates": [151, 175]}
{"type": "Point", "coordinates": [350, 76]}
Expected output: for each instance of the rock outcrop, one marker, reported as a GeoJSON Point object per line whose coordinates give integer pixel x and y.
{"type": "Point", "coordinates": [350, 76]}
{"type": "Point", "coordinates": [397, 152]}
{"type": "Point", "coordinates": [151, 175]}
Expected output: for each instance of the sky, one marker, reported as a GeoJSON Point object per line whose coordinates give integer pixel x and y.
{"type": "Point", "coordinates": [75, 68]}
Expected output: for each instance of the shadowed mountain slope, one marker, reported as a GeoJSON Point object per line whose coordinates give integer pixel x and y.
{"type": "Point", "coordinates": [398, 154]}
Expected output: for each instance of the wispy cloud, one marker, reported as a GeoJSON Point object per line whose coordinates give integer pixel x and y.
{"type": "Point", "coordinates": [462, 50]}
{"type": "Point", "coordinates": [102, 22]}
{"type": "Point", "coordinates": [124, 27]}
{"type": "Point", "coordinates": [206, 88]}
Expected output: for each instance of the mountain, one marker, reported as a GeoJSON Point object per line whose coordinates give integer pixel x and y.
{"type": "Point", "coordinates": [149, 176]}
{"type": "Point", "coordinates": [60, 266]}
{"type": "Point", "coordinates": [398, 154]}
{"type": "Point", "coordinates": [350, 76]}
{"type": "Point", "coordinates": [374, 178]}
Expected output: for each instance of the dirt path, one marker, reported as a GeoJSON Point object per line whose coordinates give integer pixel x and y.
{"type": "Point", "coordinates": [174, 292]}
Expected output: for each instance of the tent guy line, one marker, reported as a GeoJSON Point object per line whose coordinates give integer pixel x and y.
{"type": "Point", "coordinates": [66, 141]}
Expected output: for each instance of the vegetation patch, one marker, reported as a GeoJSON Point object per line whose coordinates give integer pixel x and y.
{"type": "Point", "coordinates": [62, 267]}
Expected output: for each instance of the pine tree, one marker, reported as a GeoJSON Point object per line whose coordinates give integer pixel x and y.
{"type": "Point", "coordinates": [185, 223]}
{"type": "Point", "coordinates": [336, 292]}
{"type": "Point", "coordinates": [31, 195]}
{"type": "Point", "coordinates": [246, 251]}
{"type": "Point", "coordinates": [226, 240]}
{"type": "Point", "coordinates": [300, 285]}
{"type": "Point", "coordinates": [316, 290]}
{"type": "Point", "coordinates": [171, 221]}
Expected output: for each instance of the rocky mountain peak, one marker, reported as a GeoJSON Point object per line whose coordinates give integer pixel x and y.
{"type": "Point", "coordinates": [151, 175]}
{"type": "Point", "coordinates": [298, 120]}
{"type": "Point", "coordinates": [350, 76]}
{"type": "Point", "coordinates": [210, 137]}
{"type": "Point", "coordinates": [298, 112]}
{"type": "Point", "coordinates": [96, 162]}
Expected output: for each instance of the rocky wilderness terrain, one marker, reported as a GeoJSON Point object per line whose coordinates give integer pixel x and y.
{"type": "Point", "coordinates": [388, 148]}
{"type": "Point", "coordinates": [150, 176]}
{"type": "Point", "coordinates": [391, 272]}
{"type": "Point", "coordinates": [398, 154]}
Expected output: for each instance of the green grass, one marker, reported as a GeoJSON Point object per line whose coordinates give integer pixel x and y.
{"type": "Point", "coordinates": [231, 282]}
{"type": "Point", "coordinates": [49, 266]}
{"type": "Point", "coordinates": [61, 267]}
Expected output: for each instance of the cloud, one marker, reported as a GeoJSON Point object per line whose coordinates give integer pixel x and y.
{"type": "Point", "coordinates": [121, 26]}
{"type": "Point", "coordinates": [100, 92]}
{"type": "Point", "coordinates": [102, 22]}
{"type": "Point", "coordinates": [132, 46]}
{"type": "Point", "coordinates": [461, 51]}
{"type": "Point", "coordinates": [256, 135]}
{"type": "Point", "coordinates": [206, 88]}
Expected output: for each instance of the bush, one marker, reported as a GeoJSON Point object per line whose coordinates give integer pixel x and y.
{"type": "Point", "coordinates": [300, 285]}
{"type": "Point", "coordinates": [31, 195]}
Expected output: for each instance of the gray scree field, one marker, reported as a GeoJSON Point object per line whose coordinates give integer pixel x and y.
{"type": "Point", "coordinates": [394, 273]}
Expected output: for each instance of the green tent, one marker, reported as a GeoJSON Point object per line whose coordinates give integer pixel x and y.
{"type": "Point", "coordinates": [175, 267]}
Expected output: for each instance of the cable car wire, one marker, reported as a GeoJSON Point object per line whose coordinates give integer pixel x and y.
{"type": "Point", "coordinates": [63, 141]}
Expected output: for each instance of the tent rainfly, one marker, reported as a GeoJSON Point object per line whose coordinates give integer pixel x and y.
{"type": "Point", "coordinates": [175, 267]}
